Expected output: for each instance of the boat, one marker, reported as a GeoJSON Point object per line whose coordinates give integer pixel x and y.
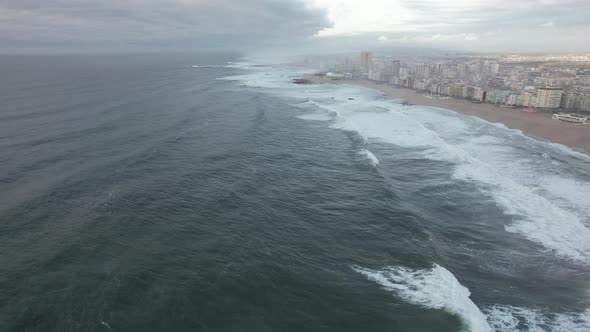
{"type": "Point", "coordinates": [573, 118]}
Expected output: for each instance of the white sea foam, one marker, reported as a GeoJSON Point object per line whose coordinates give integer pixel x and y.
{"type": "Point", "coordinates": [535, 217]}
{"type": "Point", "coordinates": [207, 66]}
{"type": "Point", "coordinates": [243, 65]}
{"type": "Point", "coordinates": [239, 64]}
{"type": "Point", "coordinates": [571, 193]}
{"type": "Point", "coordinates": [548, 207]}
{"type": "Point", "coordinates": [436, 288]}
{"type": "Point", "coordinates": [504, 172]}
{"type": "Point", "coordinates": [324, 108]}
{"type": "Point", "coordinates": [315, 117]}
{"type": "Point", "coordinates": [511, 180]}
{"type": "Point", "coordinates": [569, 150]}
{"type": "Point", "coordinates": [369, 156]}
{"type": "Point", "coordinates": [509, 318]}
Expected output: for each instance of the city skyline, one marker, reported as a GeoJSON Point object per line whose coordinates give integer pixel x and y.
{"type": "Point", "coordinates": [545, 83]}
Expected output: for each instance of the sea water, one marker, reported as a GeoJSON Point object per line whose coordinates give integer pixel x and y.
{"type": "Point", "coordinates": [206, 193]}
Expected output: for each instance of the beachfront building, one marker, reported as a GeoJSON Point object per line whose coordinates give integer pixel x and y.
{"type": "Point", "coordinates": [379, 76]}
{"type": "Point", "coordinates": [456, 91]}
{"type": "Point", "coordinates": [395, 67]}
{"type": "Point", "coordinates": [422, 71]}
{"type": "Point", "coordinates": [366, 61]}
{"type": "Point", "coordinates": [421, 86]}
{"type": "Point", "coordinates": [513, 99]}
{"type": "Point", "coordinates": [570, 101]}
{"type": "Point", "coordinates": [528, 99]}
{"type": "Point", "coordinates": [486, 80]}
{"type": "Point", "coordinates": [433, 88]}
{"type": "Point", "coordinates": [479, 94]}
{"type": "Point", "coordinates": [395, 80]}
{"type": "Point", "coordinates": [468, 92]}
{"type": "Point", "coordinates": [585, 103]}
{"type": "Point", "coordinates": [549, 97]}
{"type": "Point", "coordinates": [497, 96]}
{"type": "Point", "coordinates": [404, 72]}
{"type": "Point", "coordinates": [408, 82]}
{"type": "Point", "coordinates": [380, 71]}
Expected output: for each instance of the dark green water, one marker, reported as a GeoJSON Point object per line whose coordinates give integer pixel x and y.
{"type": "Point", "coordinates": [139, 194]}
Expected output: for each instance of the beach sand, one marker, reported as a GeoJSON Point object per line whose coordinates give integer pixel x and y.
{"type": "Point", "coordinates": [535, 125]}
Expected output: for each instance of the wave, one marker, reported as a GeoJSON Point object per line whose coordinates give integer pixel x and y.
{"type": "Point", "coordinates": [509, 318]}
{"type": "Point", "coordinates": [314, 105]}
{"type": "Point", "coordinates": [207, 66]}
{"type": "Point", "coordinates": [553, 219]}
{"type": "Point", "coordinates": [240, 65]}
{"type": "Point", "coordinates": [369, 156]}
{"type": "Point", "coordinates": [315, 117]}
{"type": "Point", "coordinates": [546, 203]}
{"type": "Point", "coordinates": [436, 288]}
{"type": "Point", "coordinates": [535, 217]}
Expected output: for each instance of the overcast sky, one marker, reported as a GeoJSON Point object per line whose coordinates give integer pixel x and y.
{"type": "Point", "coordinates": [325, 25]}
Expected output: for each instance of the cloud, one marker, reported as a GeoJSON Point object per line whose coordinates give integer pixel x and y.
{"type": "Point", "coordinates": [492, 23]}
{"type": "Point", "coordinates": [188, 24]}
{"type": "Point", "coordinates": [479, 25]}
{"type": "Point", "coordinates": [352, 16]}
{"type": "Point", "coordinates": [431, 39]}
{"type": "Point", "coordinates": [470, 37]}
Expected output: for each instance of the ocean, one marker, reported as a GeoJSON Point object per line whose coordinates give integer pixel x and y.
{"type": "Point", "coordinates": [207, 192]}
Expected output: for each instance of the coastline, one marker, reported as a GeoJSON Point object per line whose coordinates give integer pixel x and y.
{"type": "Point", "coordinates": [535, 125]}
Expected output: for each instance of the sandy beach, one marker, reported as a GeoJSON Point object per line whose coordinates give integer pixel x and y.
{"type": "Point", "coordinates": [536, 125]}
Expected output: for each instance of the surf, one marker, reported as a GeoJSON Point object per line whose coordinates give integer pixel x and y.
{"type": "Point", "coordinates": [484, 153]}
{"type": "Point", "coordinates": [434, 288]}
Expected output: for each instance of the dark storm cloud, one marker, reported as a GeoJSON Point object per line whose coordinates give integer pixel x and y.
{"type": "Point", "coordinates": [177, 24]}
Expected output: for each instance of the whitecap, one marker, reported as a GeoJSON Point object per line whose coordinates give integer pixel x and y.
{"type": "Point", "coordinates": [510, 318]}
{"type": "Point", "coordinates": [436, 288]}
{"type": "Point", "coordinates": [550, 210]}
{"type": "Point", "coordinates": [368, 155]}
{"type": "Point", "coordinates": [315, 117]}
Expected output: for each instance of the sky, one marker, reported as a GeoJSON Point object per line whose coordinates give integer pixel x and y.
{"type": "Point", "coordinates": [294, 25]}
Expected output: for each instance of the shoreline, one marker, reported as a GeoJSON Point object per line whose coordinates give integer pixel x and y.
{"type": "Point", "coordinates": [535, 125]}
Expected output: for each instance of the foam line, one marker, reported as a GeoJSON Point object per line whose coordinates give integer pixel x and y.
{"type": "Point", "coordinates": [509, 319]}
{"type": "Point", "coordinates": [543, 198]}
{"type": "Point", "coordinates": [369, 156]}
{"type": "Point", "coordinates": [436, 288]}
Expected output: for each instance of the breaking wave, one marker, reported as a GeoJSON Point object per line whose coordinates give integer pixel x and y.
{"type": "Point", "coordinates": [240, 65]}
{"type": "Point", "coordinates": [509, 318]}
{"type": "Point", "coordinates": [518, 172]}
{"type": "Point", "coordinates": [436, 288]}
{"type": "Point", "coordinates": [529, 180]}
{"type": "Point", "coordinates": [369, 156]}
